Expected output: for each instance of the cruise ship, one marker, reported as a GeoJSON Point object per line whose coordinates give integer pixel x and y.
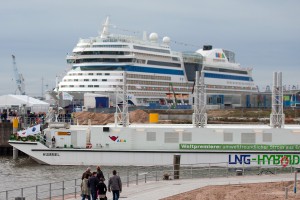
{"type": "Point", "coordinates": [154, 73]}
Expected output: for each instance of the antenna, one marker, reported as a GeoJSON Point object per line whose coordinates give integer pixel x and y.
{"type": "Point", "coordinates": [105, 30]}
{"type": "Point", "coordinates": [42, 87]}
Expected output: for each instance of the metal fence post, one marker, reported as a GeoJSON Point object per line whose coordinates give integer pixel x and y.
{"type": "Point", "coordinates": [243, 169]}
{"type": "Point", "coordinates": [137, 176]}
{"type": "Point", "coordinates": [63, 190]}
{"type": "Point", "coordinates": [22, 192]}
{"type": "Point", "coordinates": [227, 170]}
{"type": "Point", "coordinates": [75, 188]}
{"type": "Point", "coordinates": [36, 192]}
{"type": "Point", "coordinates": [50, 191]}
{"type": "Point", "coordinates": [127, 178]}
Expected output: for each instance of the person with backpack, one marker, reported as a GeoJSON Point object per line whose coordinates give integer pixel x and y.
{"type": "Point", "coordinates": [93, 181]}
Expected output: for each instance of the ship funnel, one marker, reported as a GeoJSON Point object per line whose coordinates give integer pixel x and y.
{"type": "Point", "coordinates": [105, 30]}
{"type": "Point", "coordinates": [277, 117]}
{"type": "Point", "coordinates": [207, 47]}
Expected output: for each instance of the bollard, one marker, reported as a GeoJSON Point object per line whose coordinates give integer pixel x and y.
{"type": "Point", "coordinates": [176, 166]}
{"type": "Point", "coordinates": [286, 193]}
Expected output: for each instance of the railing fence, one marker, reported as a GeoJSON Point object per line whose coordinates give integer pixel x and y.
{"type": "Point", "coordinates": [142, 175]}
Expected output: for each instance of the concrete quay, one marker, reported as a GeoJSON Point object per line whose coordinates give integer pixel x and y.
{"type": "Point", "coordinates": [162, 189]}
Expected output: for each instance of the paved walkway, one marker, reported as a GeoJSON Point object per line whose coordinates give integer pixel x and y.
{"type": "Point", "coordinates": [161, 189]}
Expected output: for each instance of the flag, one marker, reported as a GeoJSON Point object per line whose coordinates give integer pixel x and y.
{"type": "Point", "coordinates": [67, 96]}
{"type": "Point", "coordinates": [33, 130]}
{"type": "Point", "coordinates": [30, 131]}
{"type": "Point", "coordinates": [22, 133]}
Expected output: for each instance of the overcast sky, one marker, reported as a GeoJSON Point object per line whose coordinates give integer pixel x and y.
{"type": "Point", "coordinates": [265, 35]}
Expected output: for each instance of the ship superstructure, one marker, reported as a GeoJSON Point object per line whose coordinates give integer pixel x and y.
{"type": "Point", "coordinates": [155, 73]}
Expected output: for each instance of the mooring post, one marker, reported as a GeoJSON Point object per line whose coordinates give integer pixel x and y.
{"type": "Point", "coordinates": [15, 153]}
{"type": "Point", "coordinates": [176, 166]}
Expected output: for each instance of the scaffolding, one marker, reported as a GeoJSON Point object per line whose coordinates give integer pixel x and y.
{"type": "Point", "coordinates": [277, 116]}
{"type": "Point", "coordinates": [121, 114]}
{"type": "Point", "coordinates": [199, 115]}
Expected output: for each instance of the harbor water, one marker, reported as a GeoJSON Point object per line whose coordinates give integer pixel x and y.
{"type": "Point", "coordinates": [26, 172]}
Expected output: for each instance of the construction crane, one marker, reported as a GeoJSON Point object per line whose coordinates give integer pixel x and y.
{"type": "Point", "coordinates": [19, 77]}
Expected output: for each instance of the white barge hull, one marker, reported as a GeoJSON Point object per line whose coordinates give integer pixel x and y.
{"type": "Point", "coordinates": [64, 156]}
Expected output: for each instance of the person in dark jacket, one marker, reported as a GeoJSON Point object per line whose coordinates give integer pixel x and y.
{"type": "Point", "coordinates": [115, 185]}
{"type": "Point", "coordinates": [88, 171]}
{"type": "Point", "coordinates": [93, 181]}
{"type": "Point", "coordinates": [100, 173]}
{"type": "Point", "coordinates": [102, 189]}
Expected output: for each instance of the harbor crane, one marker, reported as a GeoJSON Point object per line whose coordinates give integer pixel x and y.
{"type": "Point", "coordinates": [18, 77]}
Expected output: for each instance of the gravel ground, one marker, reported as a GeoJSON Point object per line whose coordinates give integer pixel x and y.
{"type": "Point", "coordinates": [257, 191]}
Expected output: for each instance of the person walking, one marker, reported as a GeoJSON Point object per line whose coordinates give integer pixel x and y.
{"type": "Point", "coordinates": [115, 185]}
{"type": "Point", "coordinates": [88, 171]}
{"type": "Point", "coordinates": [53, 141]}
{"type": "Point", "coordinates": [102, 189]}
{"type": "Point", "coordinates": [93, 181]}
{"type": "Point", "coordinates": [85, 190]}
{"type": "Point", "coordinates": [45, 139]}
{"type": "Point", "coordinates": [100, 173]}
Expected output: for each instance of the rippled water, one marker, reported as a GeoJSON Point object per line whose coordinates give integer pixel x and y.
{"type": "Point", "coordinates": [26, 172]}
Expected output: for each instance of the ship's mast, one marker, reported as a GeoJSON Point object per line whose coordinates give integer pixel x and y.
{"type": "Point", "coordinates": [105, 30]}
{"type": "Point", "coordinates": [277, 116]}
{"type": "Point", "coordinates": [199, 115]}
